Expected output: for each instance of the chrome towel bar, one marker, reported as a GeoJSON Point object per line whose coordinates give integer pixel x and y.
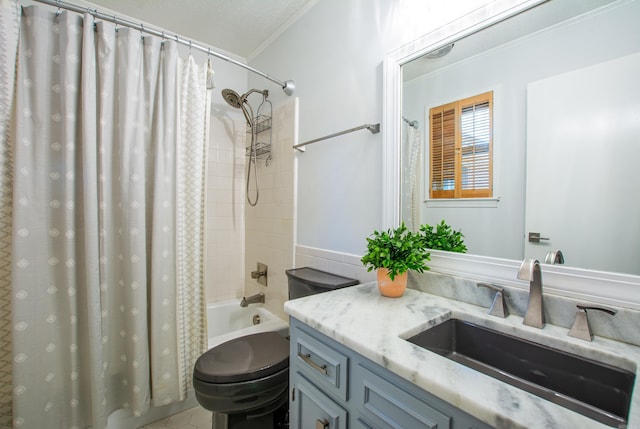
{"type": "Point", "coordinates": [374, 128]}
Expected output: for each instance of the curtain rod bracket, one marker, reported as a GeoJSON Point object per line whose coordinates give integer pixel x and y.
{"type": "Point", "coordinates": [289, 87]}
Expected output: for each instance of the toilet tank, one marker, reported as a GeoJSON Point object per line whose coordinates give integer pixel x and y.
{"type": "Point", "coordinates": [309, 281]}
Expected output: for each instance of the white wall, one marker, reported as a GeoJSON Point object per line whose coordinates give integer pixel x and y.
{"type": "Point", "coordinates": [335, 54]}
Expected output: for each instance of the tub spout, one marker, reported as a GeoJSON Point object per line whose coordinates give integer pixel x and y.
{"type": "Point", "coordinates": [253, 299]}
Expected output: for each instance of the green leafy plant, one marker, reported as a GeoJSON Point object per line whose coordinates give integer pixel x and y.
{"type": "Point", "coordinates": [443, 237]}
{"type": "Point", "coordinates": [398, 250]}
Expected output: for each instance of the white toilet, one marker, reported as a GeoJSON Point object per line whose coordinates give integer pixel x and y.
{"type": "Point", "coordinates": [245, 381]}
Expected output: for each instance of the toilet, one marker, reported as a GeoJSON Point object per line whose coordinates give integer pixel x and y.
{"type": "Point", "coordinates": [245, 381]}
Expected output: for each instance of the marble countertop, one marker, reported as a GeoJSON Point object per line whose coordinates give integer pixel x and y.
{"type": "Point", "coordinates": [376, 327]}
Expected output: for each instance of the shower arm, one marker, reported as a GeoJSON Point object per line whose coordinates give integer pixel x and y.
{"type": "Point", "coordinates": [287, 86]}
{"type": "Point", "coordinates": [264, 93]}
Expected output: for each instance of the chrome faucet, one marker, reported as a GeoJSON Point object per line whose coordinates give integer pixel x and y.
{"type": "Point", "coordinates": [530, 270]}
{"type": "Point", "coordinates": [253, 299]}
{"type": "Point", "coordinates": [554, 257]}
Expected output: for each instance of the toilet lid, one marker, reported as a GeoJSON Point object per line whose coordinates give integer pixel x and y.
{"type": "Point", "coordinates": [244, 358]}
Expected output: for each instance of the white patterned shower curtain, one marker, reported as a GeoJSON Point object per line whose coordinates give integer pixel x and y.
{"type": "Point", "coordinates": [9, 32]}
{"type": "Point", "coordinates": [109, 140]}
{"type": "Point", "coordinates": [411, 152]}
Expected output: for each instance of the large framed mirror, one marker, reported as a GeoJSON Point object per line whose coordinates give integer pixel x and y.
{"type": "Point", "coordinates": [566, 140]}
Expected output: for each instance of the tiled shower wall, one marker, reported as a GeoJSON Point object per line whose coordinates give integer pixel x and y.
{"type": "Point", "coordinates": [270, 227]}
{"type": "Point", "coordinates": [225, 207]}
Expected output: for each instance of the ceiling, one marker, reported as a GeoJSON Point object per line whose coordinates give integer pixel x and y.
{"type": "Point", "coordinates": [523, 24]}
{"type": "Point", "coordinates": [240, 27]}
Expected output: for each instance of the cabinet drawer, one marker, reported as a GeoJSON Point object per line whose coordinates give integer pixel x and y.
{"type": "Point", "coordinates": [388, 406]}
{"type": "Point", "coordinates": [320, 363]}
{"type": "Point", "coordinates": [311, 408]}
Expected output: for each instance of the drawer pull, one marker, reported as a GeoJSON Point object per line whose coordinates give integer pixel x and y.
{"type": "Point", "coordinates": [322, 424]}
{"type": "Point", "coordinates": [307, 359]}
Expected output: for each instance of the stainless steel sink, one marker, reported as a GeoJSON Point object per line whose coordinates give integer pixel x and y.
{"type": "Point", "coordinates": [596, 390]}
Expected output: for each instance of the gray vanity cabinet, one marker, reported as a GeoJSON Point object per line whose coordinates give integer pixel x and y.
{"type": "Point", "coordinates": [333, 387]}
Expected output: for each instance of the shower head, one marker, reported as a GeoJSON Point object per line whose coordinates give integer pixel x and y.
{"type": "Point", "coordinates": [234, 100]}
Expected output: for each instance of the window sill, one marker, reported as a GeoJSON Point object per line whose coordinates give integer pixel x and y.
{"type": "Point", "coordinates": [463, 202]}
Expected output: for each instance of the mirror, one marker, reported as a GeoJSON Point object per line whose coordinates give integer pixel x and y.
{"type": "Point", "coordinates": [566, 129]}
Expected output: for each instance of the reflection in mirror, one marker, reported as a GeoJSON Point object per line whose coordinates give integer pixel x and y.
{"type": "Point", "coordinates": [566, 135]}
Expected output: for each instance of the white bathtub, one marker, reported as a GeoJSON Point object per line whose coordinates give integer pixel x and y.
{"type": "Point", "coordinates": [227, 320]}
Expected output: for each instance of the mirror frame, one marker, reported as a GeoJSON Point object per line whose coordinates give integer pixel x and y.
{"type": "Point", "coordinates": [622, 290]}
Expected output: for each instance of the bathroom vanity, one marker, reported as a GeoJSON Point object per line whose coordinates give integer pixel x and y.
{"type": "Point", "coordinates": [332, 386]}
{"type": "Point", "coordinates": [352, 366]}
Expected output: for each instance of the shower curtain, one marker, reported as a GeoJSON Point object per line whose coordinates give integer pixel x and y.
{"type": "Point", "coordinates": [9, 32]}
{"type": "Point", "coordinates": [412, 142]}
{"type": "Point", "coordinates": [109, 149]}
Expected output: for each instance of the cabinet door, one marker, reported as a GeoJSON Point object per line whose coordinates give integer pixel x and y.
{"type": "Point", "coordinates": [311, 408]}
{"type": "Point", "coordinates": [387, 405]}
{"type": "Point", "coordinates": [360, 424]}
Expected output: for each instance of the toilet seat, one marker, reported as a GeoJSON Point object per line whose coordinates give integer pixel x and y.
{"type": "Point", "coordinates": [243, 359]}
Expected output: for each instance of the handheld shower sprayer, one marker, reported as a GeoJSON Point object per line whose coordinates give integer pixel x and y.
{"type": "Point", "coordinates": [241, 102]}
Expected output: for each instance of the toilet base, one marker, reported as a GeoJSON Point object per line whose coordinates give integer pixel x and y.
{"type": "Point", "coordinates": [278, 419]}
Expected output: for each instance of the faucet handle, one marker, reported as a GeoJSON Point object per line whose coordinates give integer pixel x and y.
{"type": "Point", "coordinates": [499, 306]}
{"type": "Point", "coordinates": [608, 310]}
{"type": "Point", "coordinates": [581, 328]}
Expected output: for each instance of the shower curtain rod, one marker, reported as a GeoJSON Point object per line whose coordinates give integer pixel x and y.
{"type": "Point", "coordinates": [374, 128]}
{"type": "Point", "coordinates": [287, 86]}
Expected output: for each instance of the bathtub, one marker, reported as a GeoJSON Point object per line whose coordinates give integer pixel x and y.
{"type": "Point", "coordinates": [227, 320]}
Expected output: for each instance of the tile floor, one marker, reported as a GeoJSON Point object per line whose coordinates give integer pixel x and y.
{"type": "Point", "coordinates": [193, 418]}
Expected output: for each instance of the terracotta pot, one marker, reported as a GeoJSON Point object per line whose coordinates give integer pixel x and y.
{"type": "Point", "coordinates": [391, 288]}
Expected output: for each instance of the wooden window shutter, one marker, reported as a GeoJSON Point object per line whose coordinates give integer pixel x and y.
{"type": "Point", "coordinates": [443, 143]}
{"type": "Point", "coordinates": [461, 148]}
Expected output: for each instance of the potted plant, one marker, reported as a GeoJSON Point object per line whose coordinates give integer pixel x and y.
{"type": "Point", "coordinates": [443, 237]}
{"type": "Point", "coordinates": [393, 253]}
